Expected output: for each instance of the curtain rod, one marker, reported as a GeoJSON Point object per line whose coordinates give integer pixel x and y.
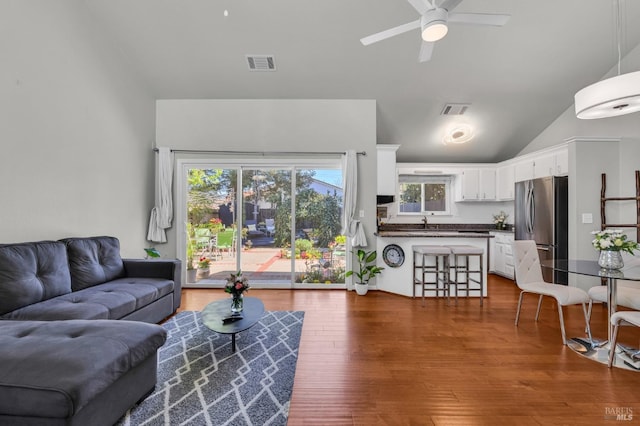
{"type": "Point", "coordinates": [263, 153]}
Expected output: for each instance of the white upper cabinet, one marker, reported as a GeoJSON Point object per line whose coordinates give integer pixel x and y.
{"type": "Point", "coordinates": [477, 185]}
{"type": "Point", "coordinates": [524, 170]}
{"type": "Point", "coordinates": [552, 162]}
{"type": "Point", "coordinates": [562, 162]}
{"type": "Point", "coordinates": [544, 166]}
{"type": "Point", "coordinates": [505, 182]}
{"type": "Point", "coordinates": [387, 176]}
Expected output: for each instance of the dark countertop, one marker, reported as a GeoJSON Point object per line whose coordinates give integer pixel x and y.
{"type": "Point", "coordinates": [434, 234]}
{"type": "Point", "coordinates": [438, 229]}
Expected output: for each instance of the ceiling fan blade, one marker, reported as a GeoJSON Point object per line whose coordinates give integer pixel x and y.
{"type": "Point", "coordinates": [479, 18]}
{"type": "Point", "coordinates": [383, 35]}
{"type": "Point", "coordinates": [449, 5]}
{"type": "Point", "coordinates": [425, 51]}
{"type": "Point", "coordinates": [421, 5]}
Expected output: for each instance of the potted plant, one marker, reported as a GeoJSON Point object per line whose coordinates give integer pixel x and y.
{"type": "Point", "coordinates": [367, 269]}
{"type": "Point", "coordinates": [611, 243]}
{"type": "Point", "coordinates": [203, 267]}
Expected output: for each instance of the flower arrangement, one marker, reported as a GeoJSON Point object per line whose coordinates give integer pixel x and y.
{"type": "Point", "coordinates": [500, 219]}
{"type": "Point", "coordinates": [613, 240]}
{"type": "Point", "coordinates": [203, 263]}
{"type": "Point", "coordinates": [236, 284]}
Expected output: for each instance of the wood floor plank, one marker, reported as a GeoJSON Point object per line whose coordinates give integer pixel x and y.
{"type": "Point", "coordinates": [384, 359]}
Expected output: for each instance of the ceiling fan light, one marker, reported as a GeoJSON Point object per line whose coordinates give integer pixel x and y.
{"type": "Point", "coordinates": [435, 31]}
{"type": "Point", "coordinates": [434, 25]}
{"type": "Point", "coordinates": [612, 97]}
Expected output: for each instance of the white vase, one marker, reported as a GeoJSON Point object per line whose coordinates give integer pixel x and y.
{"type": "Point", "coordinates": [361, 289]}
{"type": "Point", "coordinates": [610, 259]}
{"type": "Point", "coordinates": [191, 275]}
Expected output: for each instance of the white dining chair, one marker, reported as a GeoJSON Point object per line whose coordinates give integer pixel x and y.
{"type": "Point", "coordinates": [629, 317]}
{"type": "Point", "coordinates": [529, 279]}
{"type": "Point", "coordinates": [627, 295]}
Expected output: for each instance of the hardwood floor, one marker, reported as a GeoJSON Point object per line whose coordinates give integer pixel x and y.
{"type": "Point", "coordinates": [384, 359]}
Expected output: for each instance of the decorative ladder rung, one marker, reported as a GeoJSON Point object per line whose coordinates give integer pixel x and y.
{"type": "Point", "coordinates": [604, 199]}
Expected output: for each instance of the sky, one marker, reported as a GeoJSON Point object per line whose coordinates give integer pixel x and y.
{"type": "Point", "coordinates": [333, 177]}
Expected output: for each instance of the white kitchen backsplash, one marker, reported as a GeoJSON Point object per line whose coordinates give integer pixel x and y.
{"type": "Point", "coordinates": [467, 212]}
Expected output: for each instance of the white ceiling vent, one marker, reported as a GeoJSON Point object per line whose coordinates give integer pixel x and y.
{"type": "Point", "coordinates": [454, 109]}
{"type": "Point", "coordinates": [261, 62]}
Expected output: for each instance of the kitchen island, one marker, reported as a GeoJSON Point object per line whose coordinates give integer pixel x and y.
{"type": "Point", "coordinates": [399, 279]}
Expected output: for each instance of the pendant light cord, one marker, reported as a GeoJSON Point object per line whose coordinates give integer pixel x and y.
{"type": "Point", "coordinates": [618, 15]}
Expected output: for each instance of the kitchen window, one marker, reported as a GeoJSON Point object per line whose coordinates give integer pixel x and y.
{"type": "Point", "coordinates": [424, 194]}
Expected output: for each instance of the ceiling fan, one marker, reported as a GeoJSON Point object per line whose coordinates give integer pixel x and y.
{"type": "Point", "coordinates": [433, 23]}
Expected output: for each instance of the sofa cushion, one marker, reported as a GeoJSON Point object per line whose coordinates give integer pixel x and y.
{"type": "Point", "coordinates": [112, 300]}
{"type": "Point", "coordinates": [93, 260]}
{"type": "Point", "coordinates": [32, 272]}
{"type": "Point", "coordinates": [53, 369]}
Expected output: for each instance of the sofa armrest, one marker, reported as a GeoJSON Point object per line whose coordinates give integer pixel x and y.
{"type": "Point", "coordinates": [158, 268]}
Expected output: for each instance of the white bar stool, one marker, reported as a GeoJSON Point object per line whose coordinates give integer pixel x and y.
{"type": "Point", "coordinates": [462, 271]}
{"type": "Point", "coordinates": [423, 256]}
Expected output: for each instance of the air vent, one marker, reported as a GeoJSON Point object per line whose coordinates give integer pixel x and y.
{"type": "Point", "coordinates": [261, 63]}
{"type": "Point", "coordinates": [455, 109]}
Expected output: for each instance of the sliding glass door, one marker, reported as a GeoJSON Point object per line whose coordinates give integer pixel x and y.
{"type": "Point", "coordinates": [278, 224]}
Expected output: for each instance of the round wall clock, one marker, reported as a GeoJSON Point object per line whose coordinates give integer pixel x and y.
{"type": "Point", "coordinates": [393, 255]}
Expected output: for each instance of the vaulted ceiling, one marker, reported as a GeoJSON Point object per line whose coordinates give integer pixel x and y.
{"type": "Point", "coordinates": [517, 78]}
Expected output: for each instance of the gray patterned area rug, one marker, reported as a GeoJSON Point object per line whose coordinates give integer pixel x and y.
{"type": "Point", "coordinates": [202, 382]}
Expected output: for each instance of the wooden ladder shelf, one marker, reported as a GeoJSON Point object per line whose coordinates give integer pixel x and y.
{"type": "Point", "coordinates": [604, 199]}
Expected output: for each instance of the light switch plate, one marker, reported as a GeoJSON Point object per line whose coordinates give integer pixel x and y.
{"type": "Point", "coordinates": [587, 218]}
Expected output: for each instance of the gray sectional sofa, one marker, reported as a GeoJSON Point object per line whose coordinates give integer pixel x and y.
{"type": "Point", "coordinates": [77, 341]}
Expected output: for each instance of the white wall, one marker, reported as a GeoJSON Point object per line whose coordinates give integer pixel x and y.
{"type": "Point", "coordinates": [568, 126]}
{"type": "Point", "coordinates": [275, 125]}
{"type": "Point", "coordinates": [77, 130]}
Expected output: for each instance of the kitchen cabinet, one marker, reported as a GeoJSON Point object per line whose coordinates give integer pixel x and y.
{"type": "Point", "coordinates": [548, 163]}
{"type": "Point", "coordinates": [505, 182]}
{"type": "Point", "coordinates": [477, 185]}
{"type": "Point", "coordinates": [544, 166]}
{"type": "Point", "coordinates": [502, 254]}
{"type": "Point", "coordinates": [386, 177]}
{"type": "Point", "coordinates": [562, 162]}
{"type": "Point", "coordinates": [524, 170]}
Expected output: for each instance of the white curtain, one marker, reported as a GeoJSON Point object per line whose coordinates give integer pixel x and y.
{"type": "Point", "coordinates": [350, 227]}
{"type": "Point", "coordinates": [162, 213]}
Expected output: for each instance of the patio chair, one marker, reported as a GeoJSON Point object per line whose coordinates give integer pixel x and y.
{"type": "Point", "coordinates": [270, 226]}
{"type": "Point", "coordinates": [203, 240]}
{"type": "Point", "coordinates": [226, 241]}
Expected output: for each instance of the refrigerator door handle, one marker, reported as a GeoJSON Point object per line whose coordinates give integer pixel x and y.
{"type": "Point", "coordinates": [529, 208]}
{"type": "Point", "coordinates": [532, 216]}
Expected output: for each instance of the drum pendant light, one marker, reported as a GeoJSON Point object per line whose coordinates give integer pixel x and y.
{"type": "Point", "coordinates": [614, 96]}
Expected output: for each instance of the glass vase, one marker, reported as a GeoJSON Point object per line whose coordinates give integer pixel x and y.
{"type": "Point", "coordinates": [610, 259]}
{"type": "Point", "coordinates": [237, 303]}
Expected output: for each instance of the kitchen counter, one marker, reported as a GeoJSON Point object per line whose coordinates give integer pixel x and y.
{"type": "Point", "coordinates": [399, 280]}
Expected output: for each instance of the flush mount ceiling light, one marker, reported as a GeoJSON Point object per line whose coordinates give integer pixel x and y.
{"type": "Point", "coordinates": [614, 96]}
{"type": "Point", "coordinates": [434, 24]}
{"type": "Point", "coordinates": [461, 133]}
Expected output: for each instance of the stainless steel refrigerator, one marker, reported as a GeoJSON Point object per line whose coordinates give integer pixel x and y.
{"type": "Point", "coordinates": [542, 215]}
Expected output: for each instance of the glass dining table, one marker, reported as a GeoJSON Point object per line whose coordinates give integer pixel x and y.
{"type": "Point", "coordinates": [599, 350]}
